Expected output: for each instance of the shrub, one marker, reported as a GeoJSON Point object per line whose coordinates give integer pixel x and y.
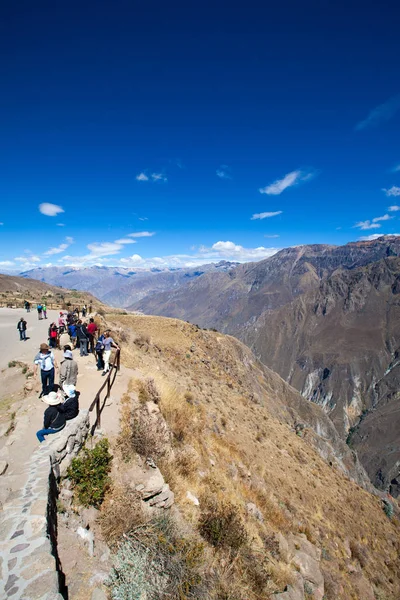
{"type": "Point", "coordinates": [359, 553]}
{"type": "Point", "coordinates": [121, 512]}
{"type": "Point", "coordinates": [89, 474]}
{"type": "Point", "coordinates": [221, 525]}
{"type": "Point", "coordinates": [155, 562]}
{"type": "Point", "coordinates": [12, 363]}
{"type": "Point", "coordinates": [11, 426]}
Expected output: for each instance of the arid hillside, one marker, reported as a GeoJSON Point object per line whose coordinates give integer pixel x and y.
{"type": "Point", "coordinates": [15, 290]}
{"type": "Point", "coordinates": [242, 437]}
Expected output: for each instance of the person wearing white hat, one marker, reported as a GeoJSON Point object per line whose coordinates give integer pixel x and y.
{"type": "Point", "coordinates": [54, 420]}
{"type": "Point", "coordinates": [70, 407]}
{"type": "Point", "coordinates": [68, 368]}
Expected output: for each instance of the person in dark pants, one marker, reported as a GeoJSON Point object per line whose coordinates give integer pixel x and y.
{"type": "Point", "coordinates": [99, 349]}
{"type": "Point", "coordinates": [21, 326]}
{"type": "Point", "coordinates": [45, 359]}
{"type": "Point", "coordinates": [83, 338]}
{"type": "Point", "coordinates": [92, 328]}
{"type": "Point", "coordinates": [53, 420]}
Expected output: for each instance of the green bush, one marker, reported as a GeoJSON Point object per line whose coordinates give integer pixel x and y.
{"type": "Point", "coordinates": [221, 525]}
{"type": "Point", "coordinates": [89, 474]}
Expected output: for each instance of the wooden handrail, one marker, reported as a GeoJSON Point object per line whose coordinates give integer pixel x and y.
{"type": "Point", "coordinates": [108, 383]}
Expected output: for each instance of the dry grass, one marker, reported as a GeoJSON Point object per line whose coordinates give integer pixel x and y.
{"type": "Point", "coordinates": [121, 512]}
{"type": "Point", "coordinates": [244, 451]}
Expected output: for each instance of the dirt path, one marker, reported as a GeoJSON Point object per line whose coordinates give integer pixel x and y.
{"type": "Point", "coordinates": [17, 447]}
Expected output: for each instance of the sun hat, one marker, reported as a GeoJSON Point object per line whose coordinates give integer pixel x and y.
{"type": "Point", "coordinates": [69, 389]}
{"type": "Point", "coordinates": [67, 354]}
{"type": "Point", "coordinates": [52, 399]}
{"type": "Point", "coordinates": [44, 347]}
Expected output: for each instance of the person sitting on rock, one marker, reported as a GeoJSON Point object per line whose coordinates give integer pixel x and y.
{"type": "Point", "coordinates": [70, 407]}
{"type": "Point", "coordinates": [54, 420]}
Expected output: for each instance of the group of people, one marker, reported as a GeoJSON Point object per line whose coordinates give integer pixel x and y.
{"type": "Point", "coordinates": [62, 398]}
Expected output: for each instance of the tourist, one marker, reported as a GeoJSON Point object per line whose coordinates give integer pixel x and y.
{"type": "Point", "coordinates": [64, 339]}
{"type": "Point", "coordinates": [83, 338]}
{"type": "Point", "coordinates": [44, 307]}
{"type": "Point", "coordinates": [39, 309]}
{"type": "Point", "coordinates": [72, 333]}
{"type": "Point", "coordinates": [84, 310]}
{"type": "Point", "coordinates": [99, 349]}
{"type": "Point", "coordinates": [92, 328]}
{"type": "Point", "coordinates": [108, 344]}
{"type": "Point", "coordinates": [70, 406]}
{"type": "Point", "coordinates": [27, 306]}
{"type": "Point", "coordinates": [61, 322]}
{"type": "Point", "coordinates": [53, 335]}
{"type": "Point", "coordinates": [21, 326]}
{"type": "Point", "coordinates": [54, 419]}
{"type": "Point", "coordinates": [48, 364]}
{"type": "Point", "coordinates": [68, 368]}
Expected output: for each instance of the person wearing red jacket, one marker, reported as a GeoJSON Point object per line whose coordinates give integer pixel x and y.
{"type": "Point", "coordinates": [92, 328]}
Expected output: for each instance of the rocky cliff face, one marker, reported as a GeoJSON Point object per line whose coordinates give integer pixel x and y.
{"type": "Point", "coordinates": [340, 346]}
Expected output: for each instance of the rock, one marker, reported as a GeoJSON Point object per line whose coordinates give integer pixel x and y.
{"type": "Point", "coordinates": [89, 516]}
{"type": "Point", "coordinates": [98, 594]}
{"type": "Point", "coordinates": [162, 496]}
{"type": "Point", "coordinates": [294, 592]}
{"type": "Point", "coordinates": [254, 511]}
{"type": "Point", "coordinates": [87, 536]}
{"type": "Point", "coordinates": [192, 499]}
{"type": "Point", "coordinates": [3, 466]}
{"type": "Point", "coordinates": [154, 484]}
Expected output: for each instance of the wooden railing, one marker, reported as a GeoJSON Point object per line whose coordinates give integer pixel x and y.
{"type": "Point", "coordinates": [98, 403]}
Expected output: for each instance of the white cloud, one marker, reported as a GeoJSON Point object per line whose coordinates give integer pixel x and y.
{"type": "Point", "coordinates": [142, 177]}
{"type": "Point", "coordinates": [367, 225]}
{"type": "Point", "coordinates": [103, 249]}
{"type": "Point", "coordinates": [375, 236]}
{"type": "Point", "coordinates": [158, 177]}
{"type": "Point", "coordinates": [393, 208]}
{"type": "Point", "coordinates": [231, 251]}
{"type": "Point", "coordinates": [60, 225]}
{"type": "Point", "coordinates": [50, 210]}
{"type": "Point", "coordinates": [125, 241]}
{"type": "Point", "coordinates": [271, 236]}
{"type": "Point", "coordinates": [143, 218]}
{"type": "Point", "coordinates": [266, 215]}
{"type": "Point", "coordinates": [6, 263]}
{"type": "Point", "coordinates": [393, 191]}
{"type": "Point", "coordinates": [384, 218]}
{"type": "Point", "coordinates": [224, 172]}
{"type": "Point", "coordinates": [61, 248]}
{"type": "Point", "coordinates": [383, 112]}
{"type": "Point", "coordinates": [135, 259]}
{"type": "Point", "coordinates": [140, 234]}
{"type": "Point", "coordinates": [396, 169]}
{"type": "Point", "coordinates": [1, 223]}
{"type": "Point", "coordinates": [290, 179]}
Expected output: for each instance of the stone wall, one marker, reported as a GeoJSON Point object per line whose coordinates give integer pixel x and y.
{"type": "Point", "coordinates": [29, 563]}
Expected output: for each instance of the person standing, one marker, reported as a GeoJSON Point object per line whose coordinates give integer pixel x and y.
{"type": "Point", "coordinates": [44, 307]}
{"type": "Point", "coordinates": [27, 306]}
{"type": "Point", "coordinates": [48, 365]}
{"type": "Point", "coordinates": [99, 349]}
{"type": "Point", "coordinates": [53, 335]}
{"type": "Point", "coordinates": [92, 328]}
{"type": "Point", "coordinates": [64, 339]}
{"type": "Point", "coordinates": [83, 338]}
{"type": "Point", "coordinates": [72, 333]}
{"type": "Point", "coordinates": [68, 368]}
{"type": "Point", "coordinates": [84, 310]}
{"type": "Point", "coordinates": [21, 326]}
{"type": "Point", "coordinates": [39, 311]}
{"type": "Point", "coordinates": [108, 344]}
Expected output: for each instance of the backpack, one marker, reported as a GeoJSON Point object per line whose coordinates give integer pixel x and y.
{"type": "Point", "coordinates": [53, 333]}
{"type": "Point", "coordinates": [99, 347]}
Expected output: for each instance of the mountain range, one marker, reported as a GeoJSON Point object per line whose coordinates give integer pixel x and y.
{"type": "Point", "coordinates": [324, 317]}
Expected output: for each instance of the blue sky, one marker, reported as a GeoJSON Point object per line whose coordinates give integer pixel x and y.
{"type": "Point", "coordinates": [213, 131]}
